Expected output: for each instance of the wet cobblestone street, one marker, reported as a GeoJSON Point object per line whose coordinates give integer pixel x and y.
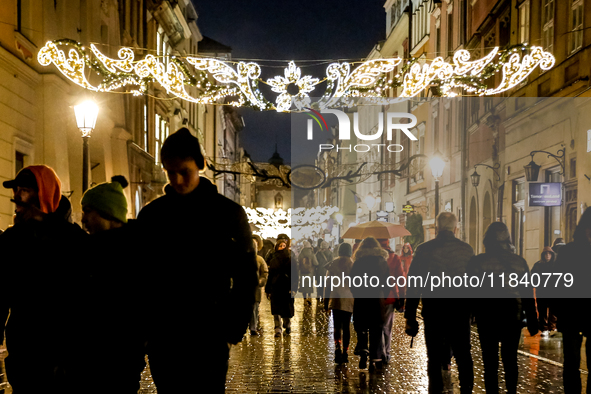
{"type": "Point", "coordinates": [302, 362]}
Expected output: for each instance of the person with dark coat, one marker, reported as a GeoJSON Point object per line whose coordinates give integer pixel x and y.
{"type": "Point", "coordinates": [499, 310]}
{"type": "Point", "coordinates": [369, 307]}
{"type": "Point", "coordinates": [573, 318]}
{"type": "Point", "coordinates": [395, 297]}
{"type": "Point", "coordinates": [40, 282]}
{"type": "Point", "coordinates": [324, 257]}
{"type": "Point", "coordinates": [546, 265]}
{"type": "Point", "coordinates": [306, 267]}
{"type": "Point", "coordinates": [340, 301]}
{"type": "Point", "coordinates": [267, 249]}
{"type": "Point", "coordinates": [114, 302]}
{"type": "Point", "coordinates": [445, 328]}
{"type": "Point", "coordinates": [202, 250]}
{"type": "Point", "coordinates": [263, 274]}
{"type": "Point", "coordinates": [279, 288]}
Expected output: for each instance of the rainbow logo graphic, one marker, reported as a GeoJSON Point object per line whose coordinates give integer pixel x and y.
{"type": "Point", "coordinates": [315, 115]}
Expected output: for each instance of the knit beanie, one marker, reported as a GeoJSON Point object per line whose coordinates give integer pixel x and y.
{"type": "Point", "coordinates": [108, 199]}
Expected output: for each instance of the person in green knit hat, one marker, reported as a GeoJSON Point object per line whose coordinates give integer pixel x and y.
{"type": "Point", "coordinates": [104, 206]}
{"type": "Point", "coordinates": [113, 313]}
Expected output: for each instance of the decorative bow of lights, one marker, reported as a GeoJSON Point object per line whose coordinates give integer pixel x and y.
{"type": "Point", "coordinates": [213, 79]}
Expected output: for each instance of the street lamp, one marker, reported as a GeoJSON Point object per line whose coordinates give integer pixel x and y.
{"type": "Point", "coordinates": [475, 177]}
{"type": "Point", "coordinates": [437, 165]}
{"type": "Point", "coordinates": [86, 114]}
{"type": "Point", "coordinates": [532, 170]}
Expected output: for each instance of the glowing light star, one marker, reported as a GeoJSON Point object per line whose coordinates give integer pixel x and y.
{"type": "Point", "coordinates": [292, 74]}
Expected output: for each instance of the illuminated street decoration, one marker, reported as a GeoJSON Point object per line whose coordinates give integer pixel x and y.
{"type": "Point", "coordinates": [293, 74]}
{"type": "Point", "coordinates": [213, 80]}
{"type": "Point", "coordinates": [297, 223]}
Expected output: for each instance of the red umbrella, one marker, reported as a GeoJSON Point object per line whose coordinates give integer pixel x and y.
{"type": "Point", "coordinates": [376, 229]}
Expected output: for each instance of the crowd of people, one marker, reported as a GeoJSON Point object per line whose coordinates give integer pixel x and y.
{"type": "Point", "coordinates": [82, 309]}
{"type": "Point", "coordinates": [76, 300]}
{"type": "Point", "coordinates": [447, 315]}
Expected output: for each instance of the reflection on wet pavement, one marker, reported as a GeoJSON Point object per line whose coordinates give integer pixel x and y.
{"type": "Point", "coordinates": [302, 362]}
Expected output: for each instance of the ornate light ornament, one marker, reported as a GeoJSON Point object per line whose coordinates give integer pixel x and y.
{"type": "Point", "coordinates": [215, 80]}
{"type": "Point", "coordinates": [293, 75]}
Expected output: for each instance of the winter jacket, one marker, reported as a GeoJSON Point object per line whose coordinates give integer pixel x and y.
{"type": "Point", "coordinates": [501, 305]}
{"type": "Point", "coordinates": [543, 267]}
{"type": "Point", "coordinates": [406, 259]}
{"type": "Point", "coordinates": [200, 266]}
{"type": "Point", "coordinates": [324, 258]}
{"type": "Point", "coordinates": [369, 306]}
{"type": "Point", "coordinates": [42, 275]}
{"type": "Point", "coordinates": [307, 286]}
{"type": "Point", "coordinates": [572, 313]}
{"type": "Point", "coordinates": [444, 254]}
{"type": "Point", "coordinates": [339, 297]}
{"type": "Point", "coordinates": [280, 283]}
{"type": "Point", "coordinates": [395, 270]}
{"type": "Point", "coordinates": [114, 310]}
{"type": "Point", "coordinates": [263, 273]}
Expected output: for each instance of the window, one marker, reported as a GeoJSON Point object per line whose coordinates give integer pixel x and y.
{"type": "Point", "coordinates": [450, 34]}
{"type": "Point", "coordinates": [161, 132]}
{"type": "Point", "coordinates": [162, 47]}
{"type": "Point", "coordinates": [19, 161]}
{"type": "Point", "coordinates": [524, 22]}
{"type": "Point", "coordinates": [548, 25]}
{"type": "Point", "coordinates": [420, 23]}
{"type": "Point", "coordinates": [575, 37]}
{"type": "Point", "coordinates": [146, 127]}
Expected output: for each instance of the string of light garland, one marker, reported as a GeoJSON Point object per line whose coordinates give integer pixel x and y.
{"type": "Point", "coordinates": [298, 223]}
{"type": "Point", "coordinates": [240, 83]}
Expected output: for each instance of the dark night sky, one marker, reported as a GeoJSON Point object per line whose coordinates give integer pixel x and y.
{"type": "Point", "coordinates": [289, 30]}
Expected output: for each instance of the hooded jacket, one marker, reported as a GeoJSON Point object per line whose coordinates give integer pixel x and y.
{"type": "Point", "coordinates": [543, 267]}
{"type": "Point", "coordinates": [40, 277]}
{"type": "Point", "coordinates": [200, 265]}
{"type": "Point", "coordinates": [502, 305]}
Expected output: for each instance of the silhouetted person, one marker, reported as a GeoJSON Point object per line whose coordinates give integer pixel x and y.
{"type": "Point", "coordinates": [110, 334]}
{"type": "Point", "coordinates": [39, 264]}
{"type": "Point", "coordinates": [499, 310]}
{"type": "Point", "coordinates": [572, 314]}
{"type": "Point", "coordinates": [201, 273]}
{"type": "Point", "coordinates": [446, 321]}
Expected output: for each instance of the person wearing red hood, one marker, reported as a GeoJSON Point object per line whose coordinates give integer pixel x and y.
{"type": "Point", "coordinates": [38, 288]}
{"type": "Point", "coordinates": [546, 265]}
{"type": "Point", "coordinates": [406, 257]}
